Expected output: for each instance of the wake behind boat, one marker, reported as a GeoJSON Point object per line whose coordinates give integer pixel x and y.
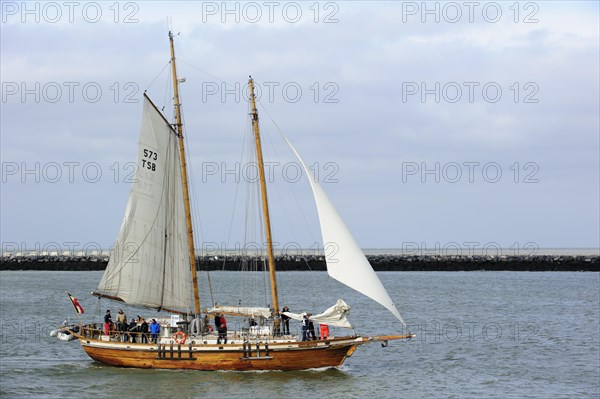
{"type": "Point", "coordinates": [153, 266]}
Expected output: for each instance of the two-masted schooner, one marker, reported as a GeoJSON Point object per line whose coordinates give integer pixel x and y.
{"type": "Point", "coordinates": [153, 266]}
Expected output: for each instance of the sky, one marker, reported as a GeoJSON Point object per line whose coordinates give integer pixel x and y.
{"type": "Point", "coordinates": [463, 125]}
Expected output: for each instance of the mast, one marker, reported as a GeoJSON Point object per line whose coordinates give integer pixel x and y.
{"type": "Point", "coordinates": [265, 204]}
{"type": "Point", "coordinates": [186, 195]}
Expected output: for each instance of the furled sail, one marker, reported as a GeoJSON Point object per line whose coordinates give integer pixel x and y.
{"type": "Point", "coordinates": [334, 316]}
{"type": "Point", "coordinates": [241, 311]}
{"type": "Point", "coordinates": [149, 265]}
{"type": "Point", "coordinates": [345, 260]}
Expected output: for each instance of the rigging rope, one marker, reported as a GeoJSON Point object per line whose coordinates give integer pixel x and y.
{"type": "Point", "coordinates": [237, 186]}
{"type": "Point", "coordinates": [253, 202]}
{"type": "Point", "coordinates": [157, 76]}
{"type": "Point", "coordinates": [196, 218]}
{"type": "Point", "coordinates": [203, 71]}
{"type": "Point", "coordinates": [283, 136]}
{"type": "Point", "coordinates": [304, 218]}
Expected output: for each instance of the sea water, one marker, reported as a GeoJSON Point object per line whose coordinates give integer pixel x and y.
{"type": "Point", "coordinates": [479, 334]}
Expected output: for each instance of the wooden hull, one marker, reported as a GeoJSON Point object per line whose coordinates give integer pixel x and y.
{"type": "Point", "coordinates": [283, 356]}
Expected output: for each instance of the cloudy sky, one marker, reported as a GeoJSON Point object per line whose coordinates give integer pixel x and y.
{"type": "Point", "coordinates": [430, 124]}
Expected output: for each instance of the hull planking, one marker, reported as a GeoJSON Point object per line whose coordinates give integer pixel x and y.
{"type": "Point", "coordinates": [285, 356]}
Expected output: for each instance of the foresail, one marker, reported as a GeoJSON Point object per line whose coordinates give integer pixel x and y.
{"type": "Point", "coordinates": [345, 260]}
{"type": "Point", "coordinates": [149, 265]}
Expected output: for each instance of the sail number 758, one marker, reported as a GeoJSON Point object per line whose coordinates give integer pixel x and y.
{"type": "Point", "coordinates": [147, 163]}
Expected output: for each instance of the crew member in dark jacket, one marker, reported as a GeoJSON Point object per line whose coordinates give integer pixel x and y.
{"type": "Point", "coordinates": [144, 331]}
{"type": "Point", "coordinates": [133, 329]}
{"type": "Point", "coordinates": [285, 321]}
{"type": "Point", "coordinates": [311, 328]}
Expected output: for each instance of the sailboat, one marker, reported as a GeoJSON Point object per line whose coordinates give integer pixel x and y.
{"type": "Point", "coordinates": [153, 266]}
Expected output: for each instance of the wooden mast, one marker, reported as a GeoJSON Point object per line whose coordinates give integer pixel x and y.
{"type": "Point", "coordinates": [186, 195]}
{"type": "Point", "coordinates": [265, 204]}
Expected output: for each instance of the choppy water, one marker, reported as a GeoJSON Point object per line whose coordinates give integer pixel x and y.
{"type": "Point", "coordinates": [480, 334]}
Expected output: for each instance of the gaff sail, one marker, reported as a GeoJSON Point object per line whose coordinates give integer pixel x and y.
{"type": "Point", "coordinates": [149, 264]}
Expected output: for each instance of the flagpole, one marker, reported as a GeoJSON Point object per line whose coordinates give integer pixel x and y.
{"type": "Point", "coordinates": [76, 312]}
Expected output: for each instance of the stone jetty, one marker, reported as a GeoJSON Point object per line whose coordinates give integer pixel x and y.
{"type": "Point", "coordinates": [317, 263]}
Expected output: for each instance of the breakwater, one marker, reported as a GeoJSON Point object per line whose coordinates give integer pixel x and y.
{"type": "Point", "coordinates": [317, 263]}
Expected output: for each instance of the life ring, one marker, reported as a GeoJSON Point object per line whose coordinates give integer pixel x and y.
{"type": "Point", "coordinates": [179, 337]}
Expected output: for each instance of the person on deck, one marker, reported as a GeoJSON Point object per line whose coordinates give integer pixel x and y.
{"type": "Point", "coordinates": [144, 331]}
{"type": "Point", "coordinates": [305, 328]}
{"type": "Point", "coordinates": [222, 330]}
{"type": "Point", "coordinates": [132, 328]}
{"type": "Point", "coordinates": [217, 321]}
{"type": "Point", "coordinates": [154, 330]}
{"type": "Point", "coordinates": [285, 321]}
{"type": "Point", "coordinates": [311, 328]}
{"type": "Point", "coordinates": [122, 324]}
{"type": "Point", "coordinates": [107, 322]}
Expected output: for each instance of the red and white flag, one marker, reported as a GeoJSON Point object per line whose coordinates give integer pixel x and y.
{"type": "Point", "coordinates": [76, 305]}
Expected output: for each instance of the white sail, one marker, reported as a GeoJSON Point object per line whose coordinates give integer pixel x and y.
{"type": "Point", "coordinates": [345, 260]}
{"type": "Point", "coordinates": [334, 316]}
{"type": "Point", "coordinates": [149, 265]}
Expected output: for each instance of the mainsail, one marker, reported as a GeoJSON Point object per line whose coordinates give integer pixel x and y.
{"type": "Point", "coordinates": [345, 260]}
{"type": "Point", "coordinates": [149, 264]}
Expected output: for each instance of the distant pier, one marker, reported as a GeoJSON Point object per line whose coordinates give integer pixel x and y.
{"type": "Point", "coordinates": [588, 263]}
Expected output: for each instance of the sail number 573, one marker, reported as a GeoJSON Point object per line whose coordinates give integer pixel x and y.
{"type": "Point", "coordinates": [148, 163]}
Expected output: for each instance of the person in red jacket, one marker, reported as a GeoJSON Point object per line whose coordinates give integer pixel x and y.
{"type": "Point", "coordinates": [222, 330]}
